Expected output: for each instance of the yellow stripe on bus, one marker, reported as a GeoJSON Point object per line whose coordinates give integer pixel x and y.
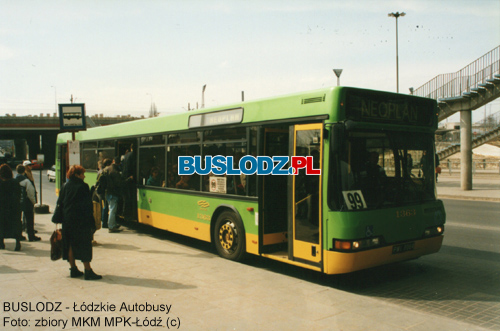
{"type": "Point", "coordinates": [175, 224]}
{"type": "Point", "coordinates": [189, 228]}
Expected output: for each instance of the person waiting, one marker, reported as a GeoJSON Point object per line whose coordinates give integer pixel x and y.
{"type": "Point", "coordinates": [10, 207]}
{"type": "Point", "coordinates": [28, 202]}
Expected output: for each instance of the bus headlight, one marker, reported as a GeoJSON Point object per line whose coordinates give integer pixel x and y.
{"type": "Point", "coordinates": [356, 245]}
{"type": "Point", "coordinates": [434, 231]}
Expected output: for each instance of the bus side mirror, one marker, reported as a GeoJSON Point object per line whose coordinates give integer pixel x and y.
{"type": "Point", "coordinates": [337, 133]}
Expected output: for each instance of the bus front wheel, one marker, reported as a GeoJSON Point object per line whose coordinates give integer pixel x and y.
{"type": "Point", "coordinates": [229, 236]}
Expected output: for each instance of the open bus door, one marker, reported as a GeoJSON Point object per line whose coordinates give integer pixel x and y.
{"type": "Point", "coordinates": [305, 198]}
{"type": "Point", "coordinates": [274, 224]}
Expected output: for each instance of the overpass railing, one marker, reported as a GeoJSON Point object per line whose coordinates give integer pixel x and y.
{"type": "Point", "coordinates": [454, 84]}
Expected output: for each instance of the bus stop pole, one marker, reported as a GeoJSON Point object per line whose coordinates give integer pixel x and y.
{"type": "Point", "coordinates": [40, 208]}
{"type": "Point", "coordinates": [41, 200]}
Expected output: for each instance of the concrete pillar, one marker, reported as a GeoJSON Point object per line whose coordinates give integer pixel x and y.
{"type": "Point", "coordinates": [466, 150]}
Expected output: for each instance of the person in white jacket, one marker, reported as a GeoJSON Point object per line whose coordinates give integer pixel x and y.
{"type": "Point", "coordinates": [28, 201]}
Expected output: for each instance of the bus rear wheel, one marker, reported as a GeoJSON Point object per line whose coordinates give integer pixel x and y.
{"type": "Point", "coordinates": [229, 236]}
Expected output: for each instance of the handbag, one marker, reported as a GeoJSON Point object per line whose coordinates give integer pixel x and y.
{"type": "Point", "coordinates": [58, 215]}
{"type": "Point", "coordinates": [56, 245]}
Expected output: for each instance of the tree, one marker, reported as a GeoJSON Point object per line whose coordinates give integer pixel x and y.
{"type": "Point", "coordinates": [153, 112]}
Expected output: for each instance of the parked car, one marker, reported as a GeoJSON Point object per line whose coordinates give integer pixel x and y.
{"type": "Point", "coordinates": [51, 174]}
{"type": "Point", "coordinates": [35, 165]}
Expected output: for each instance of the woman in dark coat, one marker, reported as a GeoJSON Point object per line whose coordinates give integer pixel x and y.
{"type": "Point", "coordinates": [78, 225]}
{"type": "Point", "coordinates": [10, 207]}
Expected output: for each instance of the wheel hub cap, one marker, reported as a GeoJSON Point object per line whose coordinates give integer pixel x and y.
{"type": "Point", "coordinates": [226, 236]}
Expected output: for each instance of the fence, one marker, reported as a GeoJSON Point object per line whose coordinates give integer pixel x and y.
{"type": "Point", "coordinates": [479, 166]}
{"type": "Point", "coordinates": [479, 129]}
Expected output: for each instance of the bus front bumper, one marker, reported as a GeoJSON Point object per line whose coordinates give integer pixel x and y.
{"type": "Point", "coordinates": [340, 262]}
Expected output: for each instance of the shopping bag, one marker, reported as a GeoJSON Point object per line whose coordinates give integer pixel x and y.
{"type": "Point", "coordinates": [56, 245]}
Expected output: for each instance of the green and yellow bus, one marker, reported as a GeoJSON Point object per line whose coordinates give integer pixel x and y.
{"type": "Point", "coordinates": [373, 204]}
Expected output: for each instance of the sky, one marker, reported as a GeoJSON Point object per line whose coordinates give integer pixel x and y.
{"type": "Point", "coordinates": [119, 57]}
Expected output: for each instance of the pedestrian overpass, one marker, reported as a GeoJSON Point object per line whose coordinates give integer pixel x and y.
{"type": "Point", "coordinates": [484, 131]}
{"type": "Point", "coordinates": [466, 90]}
{"type": "Point", "coordinates": [40, 132]}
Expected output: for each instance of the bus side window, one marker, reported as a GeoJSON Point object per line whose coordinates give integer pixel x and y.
{"type": "Point", "coordinates": [150, 158]}
{"type": "Point", "coordinates": [104, 154]}
{"type": "Point", "coordinates": [234, 182]}
{"type": "Point", "coordinates": [191, 182]}
{"type": "Point", "coordinates": [89, 155]}
{"type": "Point", "coordinates": [173, 152]}
{"type": "Point", "coordinates": [211, 150]}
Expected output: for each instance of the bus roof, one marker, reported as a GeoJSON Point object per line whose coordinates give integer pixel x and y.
{"type": "Point", "coordinates": [297, 105]}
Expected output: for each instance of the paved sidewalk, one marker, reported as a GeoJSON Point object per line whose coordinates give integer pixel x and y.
{"type": "Point", "coordinates": [154, 280]}
{"type": "Point", "coordinates": [485, 187]}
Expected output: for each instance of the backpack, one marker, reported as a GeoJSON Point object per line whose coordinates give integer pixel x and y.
{"type": "Point", "coordinates": [102, 184]}
{"type": "Point", "coordinates": [24, 196]}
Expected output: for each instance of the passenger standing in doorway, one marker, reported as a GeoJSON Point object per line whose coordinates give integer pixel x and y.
{"type": "Point", "coordinates": [118, 162]}
{"type": "Point", "coordinates": [129, 166]}
{"type": "Point", "coordinates": [28, 202]}
{"type": "Point", "coordinates": [104, 202]}
{"type": "Point", "coordinates": [114, 188]}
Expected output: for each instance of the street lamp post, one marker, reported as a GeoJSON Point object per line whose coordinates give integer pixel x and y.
{"type": "Point", "coordinates": [203, 96]}
{"type": "Point", "coordinates": [396, 15]}
{"type": "Point", "coordinates": [55, 98]}
{"type": "Point", "coordinates": [338, 72]}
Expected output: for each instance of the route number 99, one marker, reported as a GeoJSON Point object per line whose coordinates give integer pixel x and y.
{"type": "Point", "coordinates": [354, 200]}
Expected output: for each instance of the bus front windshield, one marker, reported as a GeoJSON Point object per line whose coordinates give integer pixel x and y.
{"type": "Point", "coordinates": [384, 169]}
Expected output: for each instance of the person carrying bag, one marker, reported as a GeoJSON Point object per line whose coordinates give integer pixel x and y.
{"type": "Point", "coordinates": [75, 212]}
{"type": "Point", "coordinates": [56, 245]}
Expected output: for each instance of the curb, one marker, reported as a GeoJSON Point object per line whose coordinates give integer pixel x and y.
{"type": "Point", "coordinates": [463, 197]}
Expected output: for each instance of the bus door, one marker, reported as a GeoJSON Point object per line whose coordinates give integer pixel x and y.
{"type": "Point", "coordinates": [274, 194]}
{"type": "Point", "coordinates": [305, 221]}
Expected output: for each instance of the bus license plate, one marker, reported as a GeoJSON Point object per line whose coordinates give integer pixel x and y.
{"type": "Point", "coordinates": [403, 248]}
